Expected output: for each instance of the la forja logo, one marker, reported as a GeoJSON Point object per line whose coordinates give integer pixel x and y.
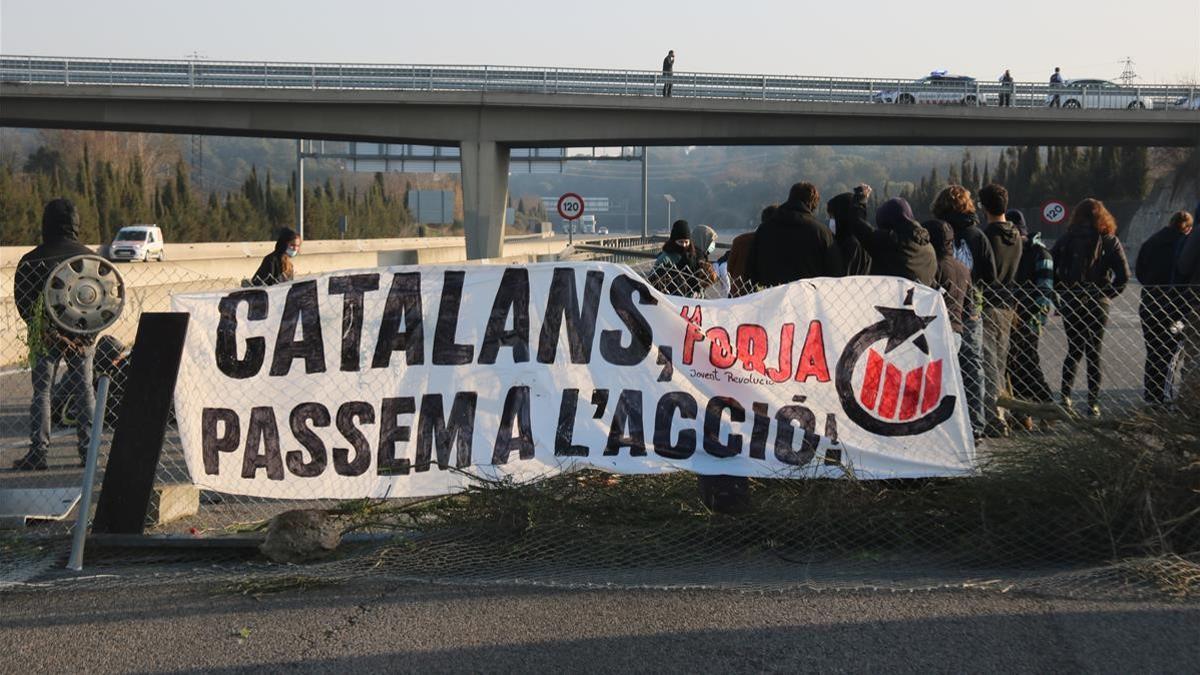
{"type": "Point", "coordinates": [888, 400]}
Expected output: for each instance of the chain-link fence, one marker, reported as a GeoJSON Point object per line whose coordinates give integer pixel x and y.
{"type": "Point", "coordinates": [1079, 401]}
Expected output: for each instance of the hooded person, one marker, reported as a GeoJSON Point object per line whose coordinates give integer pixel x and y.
{"type": "Point", "coordinates": [704, 240]}
{"type": "Point", "coordinates": [793, 244]}
{"type": "Point", "coordinates": [741, 252]}
{"type": "Point", "coordinates": [1033, 303]}
{"type": "Point", "coordinates": [60, 241]}
{"type": "Point", "coordinates": [276, 266]}
{"type": "Point", "coordinates": [851, 231]}
{"type": "Point", "coordinates": [953, 277]}
{"type": "Point", "coordinates": [900, 246]}
{"type": "Point", "coordinates": [677, 270]}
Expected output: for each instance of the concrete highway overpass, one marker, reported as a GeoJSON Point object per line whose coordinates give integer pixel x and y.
{"type": "Point", "coordinates": [486, 124]}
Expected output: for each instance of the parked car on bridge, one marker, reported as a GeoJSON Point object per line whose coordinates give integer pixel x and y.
{"type": "Point", "coordinates": [1090, 93]}
{"type": "Point", "coordinates": [938, 87]}
{"type": "Point", "coordinates": [1185, 103]}
{"type": "Point", "coordinates": [137, 242]}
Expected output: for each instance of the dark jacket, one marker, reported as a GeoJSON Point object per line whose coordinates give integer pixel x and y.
{"type": "Point", "coordinates": [1035, 280]}
{"type": "Point", "coordinates": [738, 260]}
{"type": "Point", "coordinates": [679, 270]}
{"type": "Point", "coordinates": [1156, 260]}
{"type": "Point", "coordinates": [668, 64]}
{"type": "Point", "coordinates": [793, 245]}
{"type": "Point", "coordinates": [900, 246]}
{"type": "Point", "coordinates": [60, 241]}
{"type": "Point", "coordinates": [853, 232]}
{"type": "Point", "coordinates": [1086, 261]}
{"type": "Point", "coordinates": [276, 267]}
{"type": "Point", "coordinates": [976, 247]}
{"type": "Point", "coordinates": [953, 277]}
{"type": "Point", "coordinates": [1006, 242]}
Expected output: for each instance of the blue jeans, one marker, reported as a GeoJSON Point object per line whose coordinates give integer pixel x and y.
{"type": "Point", "coordinates": [79, 382]}
{"type": "Point", "coordinates": [970, 361]}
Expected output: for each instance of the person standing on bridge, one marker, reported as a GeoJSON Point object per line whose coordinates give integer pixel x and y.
{"type": "Point", "coordinates": [1056, 80]}
{"type": "Point", "coordinates": [1006, 88]}
{"type": "Point", "coordinates": [668, 68]}
{"type": "Point", "coordinates": [48, 345]}
{"type": "Point", "coordinates": [276, 266]}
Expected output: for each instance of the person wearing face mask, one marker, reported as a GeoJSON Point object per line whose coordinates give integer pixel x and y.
{"type": "Point", "coordinates": [704, 238]}
{"type": "Point", "coordinates": [677, 269]}
{"type": "Point", "coordinates": [277, 265]}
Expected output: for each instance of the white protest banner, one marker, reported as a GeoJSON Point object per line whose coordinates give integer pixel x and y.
{"type": "Point", "coordinates": [406, 381]}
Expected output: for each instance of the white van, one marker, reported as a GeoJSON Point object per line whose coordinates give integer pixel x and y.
{"type": "Point", "coordinates": [137, 242]}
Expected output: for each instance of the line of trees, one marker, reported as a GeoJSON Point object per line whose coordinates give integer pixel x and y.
{"type": "Point", "coordinates": [1034, 174]}
{"type": "Point", "coordinates": [112, 193]}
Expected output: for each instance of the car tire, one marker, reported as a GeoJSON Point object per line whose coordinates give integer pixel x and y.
{"type": "Point", "coordinates": [1072, 104]}
{"type": "Point", "coordinates": [1136, 105]}
{"type": "Point", "coordinates": [906, 99]}
{"type": "Point", "coordinates": [970, 100]}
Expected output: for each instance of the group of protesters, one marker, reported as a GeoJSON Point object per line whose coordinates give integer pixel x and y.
{"type": "Point", "coordinates": [1000, 281]}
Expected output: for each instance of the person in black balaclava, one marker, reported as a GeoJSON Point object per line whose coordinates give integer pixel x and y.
{"type": "Point", "coordinates": [49, 345]}
{"type": "Point", "coordinates": [900, 246]}
{"type": "Point", "coordinates": [677, 269]}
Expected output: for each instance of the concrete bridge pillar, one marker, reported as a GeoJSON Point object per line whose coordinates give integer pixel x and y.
{"type": "Point", "coordinates": [485, 196]}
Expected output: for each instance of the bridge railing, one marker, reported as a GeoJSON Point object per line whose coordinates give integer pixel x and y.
{"type": "Point", "coordinates": [550, 80]}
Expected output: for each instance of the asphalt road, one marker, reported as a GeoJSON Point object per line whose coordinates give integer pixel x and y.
{"type": "Point", "coordinates": [375, 625]}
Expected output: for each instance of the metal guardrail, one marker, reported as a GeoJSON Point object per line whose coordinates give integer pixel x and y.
{"type": "Point", "coordinates": [69, 71]}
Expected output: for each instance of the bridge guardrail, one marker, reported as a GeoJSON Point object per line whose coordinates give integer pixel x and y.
{"type": "Point", "coordinates": [68, 71]}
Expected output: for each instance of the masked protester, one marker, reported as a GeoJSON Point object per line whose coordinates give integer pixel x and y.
{"type": "Point", "coordinates": [60, 241]}
{"type": "Point", "coordinates": [277, 266]}
{"type": "Point", "coordinates": [953, 278]}
{"type": "Point", "coordinates": [678, 269]}
{"type": "Point", "coordinates": [1090, 269]}
{"type": "Point", "coordinates": [793, 244]}
{"type": "Point", "coordinates": [851, 230]}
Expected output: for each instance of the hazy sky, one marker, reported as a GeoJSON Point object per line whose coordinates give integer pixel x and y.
{"type": "Point", "coordinates": [864, 38]}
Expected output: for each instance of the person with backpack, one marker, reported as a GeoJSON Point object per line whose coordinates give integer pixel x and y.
{"type": "Point", "coordinates": [1034, 301]}
{"type": "Point", "coordinates": [953, 277]}
{"type": "Point", "coordinates": [1090, 269]}
{"type": "Point", "coordinates": [1162, 309]}
{"type": "Point", "coordinates": [971, 247]}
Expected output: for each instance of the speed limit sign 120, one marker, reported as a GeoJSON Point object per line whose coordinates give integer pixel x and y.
{"type": "Point", "coordinates": [1054, 212]}
{"type": "Point", "coordinates": [570, 206]}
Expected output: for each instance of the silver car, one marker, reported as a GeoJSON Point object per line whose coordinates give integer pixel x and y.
{"type": "Point", "coordinates": [938, 88]}
{"type": "Point", "coordinates": [1089, 93]}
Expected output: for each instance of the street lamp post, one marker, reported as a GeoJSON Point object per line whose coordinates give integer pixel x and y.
{"type": "Point", "coordinates": [670, 201]}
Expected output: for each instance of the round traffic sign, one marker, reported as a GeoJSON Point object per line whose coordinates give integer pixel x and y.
{"type": "Point", "coordinates": [570, 206]}
{"type": "Point", "coordinates": [1054, 212]}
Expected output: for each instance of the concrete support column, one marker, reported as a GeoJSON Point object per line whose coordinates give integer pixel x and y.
{"type": "Point", "coordinates": [485, 196]}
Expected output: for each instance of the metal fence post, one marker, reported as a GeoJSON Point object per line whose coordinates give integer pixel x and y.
{"type": "Point", "coordinates": [67, 72]}
{"type": "Point", "coordinates": [79, 536]}
{"type": "Point", "coordinates": [314, 78]}
{"type": "Point", "coordinates": [764, 87]}
{"type": "Point", "coordinates": [192, 74]}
